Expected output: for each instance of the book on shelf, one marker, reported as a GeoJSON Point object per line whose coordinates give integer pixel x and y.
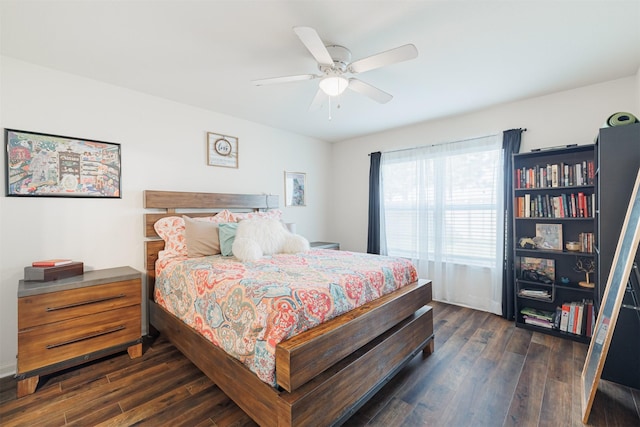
{"type": "Point", "coordinates": [51, 262]}
{"type": "Point", "coordinates": [572, 316]}
{"type": "Point", "coordinates": [564, 320]}
{"type": "Point", "coordinates": [555, 175]}
{"type": "Point", "coordinates": [535, 293]}
{"type": "Point", "coordinates": [539, 314]}
{"type": "Point", "coordinates": [577, 317]}
{"type": "Point", "coordinates": [565, 205]}
{"type": "Point", "coordinates": [538, 322]}
{"type": "Point", "coordinates": [586, 242]}
{"type": "Point", "coordinates": [591, 320]}
{"type": "Point", "coordinates": [557, 318]}
{"type": "Point", "coordinates": [541, 318]}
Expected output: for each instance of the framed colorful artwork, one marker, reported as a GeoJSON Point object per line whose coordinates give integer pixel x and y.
{"type": "Point", "coordinates": [44, 165]}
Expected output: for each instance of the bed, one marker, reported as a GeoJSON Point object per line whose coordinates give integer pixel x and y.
{"type": "Point", "coordinates": [325, 373]}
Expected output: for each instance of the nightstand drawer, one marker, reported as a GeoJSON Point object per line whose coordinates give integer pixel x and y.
{"type": "Point", "coordinates": [58, 306]}
{"type": "Point", "coordinates": [56, 342]}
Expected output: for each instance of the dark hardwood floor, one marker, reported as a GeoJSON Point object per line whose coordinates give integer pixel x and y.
{"type": "Point", "coordinates": [484, 372]}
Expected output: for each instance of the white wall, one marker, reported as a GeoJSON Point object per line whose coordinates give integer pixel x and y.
{"type": "Point", "coordinates": [163, 148]}
{"type": "Point", "coordinates": [570, 117]}
{"type": "Point", "coordinates": [637, 109]}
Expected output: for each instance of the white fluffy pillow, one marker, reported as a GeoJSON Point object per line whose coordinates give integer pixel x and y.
{"type": "Point", "coordinates": [261, 236]}
{"type": "Point", "coordinates": [295, 244]}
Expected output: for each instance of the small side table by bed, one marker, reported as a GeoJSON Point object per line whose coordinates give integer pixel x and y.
{"type": "Point", "coordinates": [325, 245]}
{"type": "Point", "coordinates": [66, 322]}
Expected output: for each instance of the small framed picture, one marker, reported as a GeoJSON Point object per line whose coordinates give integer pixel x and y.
{"type": "Point", "coordinates": [222, 150]}
{"type": "Point", "coordinates": [550, 236]}
{"type": "Point", "coordinates": [295, 188]}
{"type": "Point", "coordinates": [538, 269]}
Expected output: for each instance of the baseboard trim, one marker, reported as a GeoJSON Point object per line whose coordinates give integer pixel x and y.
{"type": "Point", "coordinates": [7, 370]}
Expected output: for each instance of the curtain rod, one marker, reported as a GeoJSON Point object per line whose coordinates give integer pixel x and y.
{"type": "Point", "coordinates": [443, 143]}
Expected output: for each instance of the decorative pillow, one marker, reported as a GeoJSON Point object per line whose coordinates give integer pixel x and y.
{"type": "Point", "coordinates": [257, 237]}
{"type": "Point", "coordinates": [227, 232]}
{"type": "Point", "coordinates": [201, 237]}
{"type": "Point", "coordinates": [270, 214]}
{"type": "Point", "coordinates": [171, 229]}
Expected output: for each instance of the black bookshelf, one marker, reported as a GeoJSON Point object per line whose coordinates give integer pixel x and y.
{"type": "Point", "coordinates": [617, 163]}
{"type": "Point", "coordinates": [554, 199]}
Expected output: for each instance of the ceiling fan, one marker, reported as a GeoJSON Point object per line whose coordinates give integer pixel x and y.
{"type": "Point", "coordinates": [334, 63]}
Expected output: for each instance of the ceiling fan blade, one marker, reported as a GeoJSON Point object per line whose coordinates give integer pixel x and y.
{"type": "Point", "coordinates": [318, 99]}
{"type": "Point", "coordinates": [284, 79]}
{"type": "Point", "coordinates": [314, 44]}
{"type": "Point", "coordinates": [367, 90]}
{"type": "Point", "coordinates": [392, 56]}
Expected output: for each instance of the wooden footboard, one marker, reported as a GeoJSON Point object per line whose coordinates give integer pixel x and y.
{"type": "Point", "coordinates": [324, 374]}
{"type": "Point", "coordinates": [331, 396]}
{"type": "Point", "coordinates": [306, 355]}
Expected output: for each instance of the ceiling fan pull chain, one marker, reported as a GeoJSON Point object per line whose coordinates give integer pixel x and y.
{"type": "Point", "coordinates": [330, 108]}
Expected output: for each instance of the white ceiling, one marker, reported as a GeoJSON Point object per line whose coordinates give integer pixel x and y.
{"type": "Point", "coordinates": [472, 54]}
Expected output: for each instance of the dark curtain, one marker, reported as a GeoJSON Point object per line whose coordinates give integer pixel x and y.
{"type": "Point", "coordinates": [510, 145]}
{"type": "Point", "coordinates": [373, 239]}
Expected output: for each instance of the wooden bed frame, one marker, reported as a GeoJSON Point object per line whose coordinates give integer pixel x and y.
{"type": "Point", "coordinates": [324, 374]}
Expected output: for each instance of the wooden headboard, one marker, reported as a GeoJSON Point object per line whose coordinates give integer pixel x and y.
{"type": "Point", "coordinates": [177, 203]}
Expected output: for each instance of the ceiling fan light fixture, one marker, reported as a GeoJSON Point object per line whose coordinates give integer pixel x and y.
{"type": "Point", "coordinates": [333, 85]}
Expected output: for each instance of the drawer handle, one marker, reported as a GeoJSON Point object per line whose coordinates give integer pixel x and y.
{"type": "Point", "coordinates": [87, 337]}
{"type": "Point", "coordinates": [79, 304]}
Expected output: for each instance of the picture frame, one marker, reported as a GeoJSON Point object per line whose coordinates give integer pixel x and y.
{"type": "Point", "coordinates": [46, 165]}
{"type": "Point", "coordinates": [549, 236]}
{"type": "Point", "coordinates": [222, 150]}
{"type": "Point", "coordinates": [543, 267]}
{"type": "Point", "coordinates": [605, 325]}
{"type": "Point", "coordinates": [295, 188]}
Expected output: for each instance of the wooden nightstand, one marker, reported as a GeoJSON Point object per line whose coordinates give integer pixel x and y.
{"type": "Point", "coordinates": [66, 322]}
{"type": "Point", "coordinates": [325, 245]}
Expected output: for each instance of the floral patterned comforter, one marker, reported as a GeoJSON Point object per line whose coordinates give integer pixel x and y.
{"type": "Point", "coordinates": [248, 308]}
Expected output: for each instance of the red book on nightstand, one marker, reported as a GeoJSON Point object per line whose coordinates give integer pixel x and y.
{"type": "Point", "coordinates": [51, 262]}
{"type": "Point", "coordinates": [46, 274]}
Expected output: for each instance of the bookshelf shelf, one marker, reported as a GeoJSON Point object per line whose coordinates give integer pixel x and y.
{"type": "Point", "coordinates": [554, 203]}
{"type": "Point", "coordinates": [542, 219]}
{"type": "Point", "coordinates": [559, 189]}
{"type": "Point", "coordinates": [541, 252]}
{"type": "Point", "coordinates": [556, 333]}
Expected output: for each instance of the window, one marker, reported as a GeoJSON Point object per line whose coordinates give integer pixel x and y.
{"type": "Point", "coordinates": [442, 201]}
{"type": "Point", "coordinates": [442, 205]}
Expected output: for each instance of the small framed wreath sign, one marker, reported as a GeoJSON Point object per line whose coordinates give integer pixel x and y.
{"type": "Point", "coordinates": [222, 150]}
